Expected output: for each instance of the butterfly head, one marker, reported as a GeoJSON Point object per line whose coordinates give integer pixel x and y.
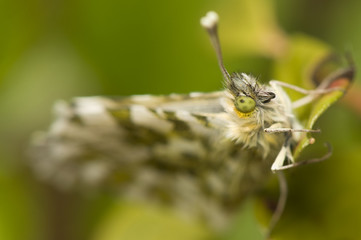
{"type": "Point", "coordinates": [243, 89]}
{"type": "Point", "coordinates": [246, 93]}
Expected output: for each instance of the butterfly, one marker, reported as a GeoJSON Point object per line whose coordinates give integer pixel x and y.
{"type": "Point", "coordinates": [200, 152]}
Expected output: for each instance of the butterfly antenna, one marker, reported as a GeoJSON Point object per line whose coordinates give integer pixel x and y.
{"type": "Point", "coordinates": [210, 23]}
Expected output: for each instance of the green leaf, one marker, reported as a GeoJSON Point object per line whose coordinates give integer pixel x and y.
{"type": "Point", "coordinates": [305, 65]}
{"type": "Point", "coordinates": [339, 79]}
{"type": "Point", "coordinates": [298, 62]}
{"type": "Point", "coordinates": [317, 110]}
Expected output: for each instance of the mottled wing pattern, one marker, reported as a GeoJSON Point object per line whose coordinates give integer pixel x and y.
{"type": "Point", "coordinates": [168, 149]}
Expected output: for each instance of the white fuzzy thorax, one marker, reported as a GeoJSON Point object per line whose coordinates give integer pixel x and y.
{"type": "Point", "coordinates": [249, 131]}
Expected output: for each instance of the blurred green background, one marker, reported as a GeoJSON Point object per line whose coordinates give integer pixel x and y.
{"type": "Point", "coordinates": [52, 49]}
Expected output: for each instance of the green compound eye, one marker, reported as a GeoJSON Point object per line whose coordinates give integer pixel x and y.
{"type": "Point", "coordinates": [244, 104]}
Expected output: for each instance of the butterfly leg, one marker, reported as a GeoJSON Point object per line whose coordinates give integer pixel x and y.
{"type": "Point", "coordinates": [286, 153]}
{"type": "Point", "coordinates": [282, 181]}
{"type": "Point", "coordinates": [302, 90]}
{"type": "Point", "coordinates": [278, 168]}
{"type": "Point", "coordinates": [310, 94]}
{"type": "Point", "coordinates": [305, 162]}
{"type": "Point", "coordinates": [289, 130]}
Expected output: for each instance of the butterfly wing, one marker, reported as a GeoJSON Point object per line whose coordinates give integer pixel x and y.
{"type": "Point", "coordinates": [170, 149]}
